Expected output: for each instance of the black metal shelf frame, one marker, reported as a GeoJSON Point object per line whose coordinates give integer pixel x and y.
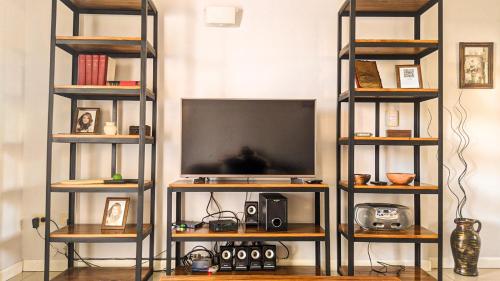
{"type": "Point", "coordinates": [317, 221]}
{"type": "Point", "coordinates": [351, 100]}
{"type": "Point", "coordinates": [147, 9]}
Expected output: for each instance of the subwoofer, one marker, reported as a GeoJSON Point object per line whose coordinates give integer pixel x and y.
{"type": "Point", "coordinates": [251, 213]}
{"type": "Point", "coordinates": [226, 258]}
{"type": "Point", "coordinates": [255, 255]}
{"type": "Point", "coordinates": [273, 212]}
{"type": "Point", "coordinates": [269, 257]}
{"type": "Point", "coordinates": [241, 258]}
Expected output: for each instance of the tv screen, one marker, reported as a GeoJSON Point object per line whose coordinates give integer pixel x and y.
{"type": "Point", "coordinates": [248, 138]}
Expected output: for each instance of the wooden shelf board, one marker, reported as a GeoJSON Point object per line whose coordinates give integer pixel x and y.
{"type": "Point", "coordinates": [395, 90]}
{"type": "Point", "coordinates": [89, 138]}
{"type": "Point", "coordinates": [417, 186]}
{"type": "Point", "coordinates": [128, 5]}
{"type": "Point", "coordinates": [390, 94]}
{"type": "Point", "coordinates": [297, 273]}
{"type": "Point", "coordinates": [389, 47]}
{"type": "Point", "coordinates": [295, 230]}
{"type": "Point", "coordinates": [409, 274]}
{"type": "Point", "coordinates": [101, 274]}
{"type": "Point", "coordinates": [389, 141]}
{"type": "Point", "coordinates": [416, 232]}
{"type": "Point", "coordinates": [89, 231]}
{"type": "Point", "coordinates": [113, 46]}
{"type": "Point", "coordinates": [243, 184]}
{"type": "Point", "coordinates": [132, 186]}
{"type": "Point", "coordinates": [394, 6]}
{"type": "Point", "coordinates": [104, 92]}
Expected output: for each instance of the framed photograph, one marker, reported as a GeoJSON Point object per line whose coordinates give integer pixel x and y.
{"type": "Point", "coordinates": [86, 120]}
{"type": "Point", "coordinates": [367, 75]}
{"type": "Point", "coordinates": [476, 65]}
{"type": "Point", "coordinates": [115, 213]}
{"type": "Point", "coordinates": [409, 76]}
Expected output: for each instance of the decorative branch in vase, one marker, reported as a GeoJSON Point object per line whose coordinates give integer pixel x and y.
{"type": "Point", "coordinates": [465, 239]}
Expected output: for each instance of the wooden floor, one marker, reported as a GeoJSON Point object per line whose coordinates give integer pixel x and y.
{"type": "Point", "coordinates": [484, 275]}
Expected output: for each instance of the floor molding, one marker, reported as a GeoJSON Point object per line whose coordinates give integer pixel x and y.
{"type": "Point", "coordinates": [11, 271]}
{"type": "Point", "coordinates": [485, 262]}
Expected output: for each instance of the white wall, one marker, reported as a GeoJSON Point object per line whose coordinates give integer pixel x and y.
{"type": "Point", "coordinates": [283, 49]}
{"type": "Point", "coordinates": [12, 77]}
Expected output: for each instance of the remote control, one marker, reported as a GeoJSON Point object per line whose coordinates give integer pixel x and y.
{"type": "Point", "coordinates": [379, 182]}
{"type": "Point", "coordinates": [314, 181]}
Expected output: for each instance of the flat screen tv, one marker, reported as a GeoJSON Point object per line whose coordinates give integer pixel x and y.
{"type": "Point", "coordinates": [248, 138]}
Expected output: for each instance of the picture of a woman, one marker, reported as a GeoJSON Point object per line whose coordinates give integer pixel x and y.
{"type": "Point", "coordinates": [115, 213]}
{"type": "Point", "coordinates": [86, 120]}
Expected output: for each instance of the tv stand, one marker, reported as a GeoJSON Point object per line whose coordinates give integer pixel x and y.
{"type": "Point", "coordinates": [296, 181]}
{"type": "Point", "coordinates": [201, 180]}
{"type": "Point", "coordinates": [315, 231]}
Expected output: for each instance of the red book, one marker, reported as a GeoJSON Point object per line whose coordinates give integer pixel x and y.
{"type": "Point", "coordinates": [103, 70]}
{"type": "Point", "coordinates": [81, 70]}
{"type": "Point", "coordinates": [95, 69]}
{"type": "Point", "coordinates": [88, 69]}
{"type": "Point", "coordinates": [129, 83]}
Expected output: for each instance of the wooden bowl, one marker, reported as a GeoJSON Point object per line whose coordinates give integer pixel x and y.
{"type": "Point", "coordinates": [361, 179]}
{"type": "Point", "coordinates": [400, 178]}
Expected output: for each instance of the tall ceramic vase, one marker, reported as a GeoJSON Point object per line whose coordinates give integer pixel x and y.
{"type": "Point", "coordinates": [465, 246]}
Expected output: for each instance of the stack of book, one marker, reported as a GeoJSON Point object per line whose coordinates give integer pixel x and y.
{"type": "Point", "coordinates": [95, 69]}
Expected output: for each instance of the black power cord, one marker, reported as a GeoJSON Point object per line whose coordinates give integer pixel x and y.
{"type": "Point", "coordinates": [36, 224]}
{"type": "Point", "coordinates": [385, 266]}
{"type": "Point", "coordinates": [287, 250]}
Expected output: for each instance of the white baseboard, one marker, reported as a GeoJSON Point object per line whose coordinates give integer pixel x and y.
{"type": "Point", "coordinates": [37, 265]}
{"type": "Point", "coordinates": [486, 262]}
{"type": "Point", "coordinates": [11, 271]}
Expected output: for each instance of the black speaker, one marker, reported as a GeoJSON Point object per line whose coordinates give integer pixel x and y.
{"type": "Point", "coordinates": [251, 213]}
{"type": "Point", "coordinates": [241, 258]}
{"type": "Point", "coordinates": [269, 257]}
{"type": "Point", "coordinates": [226, 258]}
{"type": "Point", "coordinates": [255, 256]}
{"type": "Point", "coordinates": [273, 212]}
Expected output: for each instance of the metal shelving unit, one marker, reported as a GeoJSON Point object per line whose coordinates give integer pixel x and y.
{"type": "Point", "coordinates": [414, 49]}
{"type": "Point", "coordinates": [117, 47]}
{"type": "Point", "coordinates": [312, 232]}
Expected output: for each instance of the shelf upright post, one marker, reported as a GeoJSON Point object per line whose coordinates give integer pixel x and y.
{"type": "Point", "coordinates": [338, 147]}
{"type": "Point", "coordinates": [416, 151]}
{"type": "Point", "coordinates": [142, 139]}
{"type": "Point", "coordinates": [152, 215]}
{"type": "Point", "coordinates": [72, 149]}
{"type": "Point", "coordinates": [377, 147]}
{"type": "Point", "coordinates": [168, 267]}
{"type": "Point", "coordinates": [114, 117]}
{"type": "Point", "coordinates": [50, 120]}
{"type": "Point", "coordinates": [352, 100]}
{"type": "Point", "coordinates": [326, 196]}
{"type": "Point", "coordinates": [440, 140]}
{"type": "Point", "coordinates": [317, 222]}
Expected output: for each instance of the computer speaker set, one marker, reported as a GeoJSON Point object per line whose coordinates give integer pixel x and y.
{"type": "Point", "coordinates": [244, 258]}
{"type": "Point", "coordinates": [269, 213]}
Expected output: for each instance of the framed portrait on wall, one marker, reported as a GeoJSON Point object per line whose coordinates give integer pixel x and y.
{"type": "Point", "coordinates": [409, 76]}
{"type": "Point", "coordinates": [115, 213]}
{"type": "Point", "coordinates": [476, 65]}
{"type": "Point", "coordinates": [86, 120]}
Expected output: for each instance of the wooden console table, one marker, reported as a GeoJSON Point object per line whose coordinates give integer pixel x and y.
{"type": "Point", "coordinates": [313, 232]}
